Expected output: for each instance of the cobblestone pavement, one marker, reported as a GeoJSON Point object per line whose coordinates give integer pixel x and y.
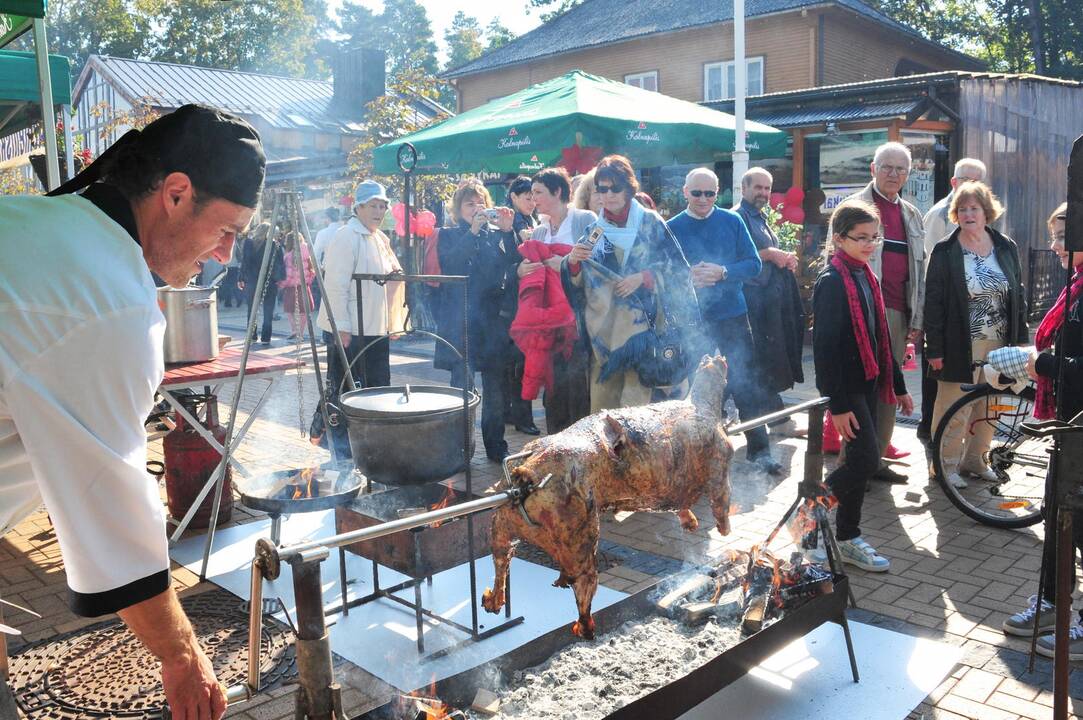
{"type": "Point", "coordinates": [951, 579]}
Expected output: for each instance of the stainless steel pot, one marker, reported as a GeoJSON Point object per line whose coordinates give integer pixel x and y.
{"type": "Point", "coordinates": [191, 318]}
{"type": "Point", "coordinates": [408, 435]}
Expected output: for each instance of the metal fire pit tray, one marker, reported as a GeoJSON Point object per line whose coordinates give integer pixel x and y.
{"type": "Point", "coordinates": [670, 701]}
{"type": "Point", "coordinates": [418, 553]}
{"type": "Point", "coordinates": [273, 492]}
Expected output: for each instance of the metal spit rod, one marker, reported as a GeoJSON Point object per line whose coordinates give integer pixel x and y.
{"type": "Point", "coordinates": [782, 414]}
{"type": "Point", "coordinates": [408, 523]}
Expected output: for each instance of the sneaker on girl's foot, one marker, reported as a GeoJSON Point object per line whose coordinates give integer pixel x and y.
{"type": "Point", "coordinates": [956, 481]}
{"type": "Point", "coordinates": [1022, 623]}
{"type": "Point", "coordinates": [858, 552]}
{"type": "Point", "coordinates": [1048, 643]}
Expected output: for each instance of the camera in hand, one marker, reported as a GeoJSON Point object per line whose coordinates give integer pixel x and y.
{"type": "Point", "coordinates": [491, 214]}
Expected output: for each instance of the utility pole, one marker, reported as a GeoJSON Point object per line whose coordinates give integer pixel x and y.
{"type": "Point", "coordinates": [740, 153]}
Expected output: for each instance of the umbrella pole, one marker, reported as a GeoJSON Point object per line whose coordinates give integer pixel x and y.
{"type": "Point", "coordinates": [48, 112]}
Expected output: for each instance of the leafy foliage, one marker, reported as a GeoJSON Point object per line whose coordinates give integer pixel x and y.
{"type": "Point", "coordinates": [81, 28]}
{"type": "Point", "coordinates": [551, 8]}
{"type": "Point", "coordinates": [392, 116]}
{"type": "Point", "coordinates": [498, 34]}
{"type": "Point", "coordinates": [463, 39]}
{"type": "Point", "coordinates": [402, 30]}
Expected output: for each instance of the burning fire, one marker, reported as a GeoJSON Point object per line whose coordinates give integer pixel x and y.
{"type": "Point", "coordinates": [441, 504]}
{"type": "Point", "coordinates": [305, 479]}
{"type": "Point", "coordinates": [428, 705]}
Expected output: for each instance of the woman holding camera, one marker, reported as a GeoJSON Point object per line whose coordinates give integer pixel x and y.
{"type": "Point", "coordinates": [481, 245]}
{"type": "Point", "coordinates": [636, 276]}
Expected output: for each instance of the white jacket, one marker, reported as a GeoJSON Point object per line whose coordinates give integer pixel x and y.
{"type": "Point", "coordinates": [355, 250]}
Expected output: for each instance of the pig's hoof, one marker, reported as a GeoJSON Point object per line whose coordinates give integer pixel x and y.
{"type": "Point", "coordinates": [563, 581]}
{"type": "Point", "coordinates": [688, 520]}
{"type": "Point", "coordinates": [584, 629]}
{"type": "Point", "coordinates": [490, 601]}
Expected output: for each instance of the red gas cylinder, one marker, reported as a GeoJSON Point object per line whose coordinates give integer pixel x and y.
{"type": "Point", "coordinates": [189, 462]}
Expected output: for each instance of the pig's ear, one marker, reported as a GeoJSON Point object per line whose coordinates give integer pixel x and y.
{"type": "Point", "coordinates": [615, 437]}
{"type": "Point", "coordinates": [705, 361]}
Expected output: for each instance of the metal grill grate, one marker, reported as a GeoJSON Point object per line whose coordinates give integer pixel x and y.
{"type": "Point", "coordinates": [104, 671]}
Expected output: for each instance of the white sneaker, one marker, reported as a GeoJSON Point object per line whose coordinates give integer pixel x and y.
{"type": "Point", "coordinates": [956, 481]}
{"type": "Point", "coordinates": [982, 472]}
{"type": "Point", "coordinates": [858, 552]}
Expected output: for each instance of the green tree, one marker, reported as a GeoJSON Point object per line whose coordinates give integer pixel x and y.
{"type": "Point", "coordinates": [497, 35]}
{"type": "Point", "coordinates": [81, 28]}
{"type": "Point", "coordinates": [463, 40]}
{"type": "Point", "coordinates": [551, 8]}
{"type": "Point", "coordinates": [266, 36]}
{"type": "Point", "coordinates": [390, 117]}
{"type": "Point", "coordinates": [402, 30]}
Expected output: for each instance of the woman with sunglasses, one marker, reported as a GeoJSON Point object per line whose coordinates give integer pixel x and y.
{"type": "Point", "coordinates": [628, 277]}
{"type": "Point", "coordinates": [855, 369]}
{"type": "Point", "coordinates": [974, 304]}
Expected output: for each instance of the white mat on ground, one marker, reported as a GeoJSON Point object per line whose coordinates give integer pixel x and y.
{"type": "Point", "coordinates": [381, 636]}
{"type": "Point", "coordinates": [811, 678]}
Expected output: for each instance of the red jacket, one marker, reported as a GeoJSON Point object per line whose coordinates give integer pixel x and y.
{"type": "Point", "coordinates": [544, 323]}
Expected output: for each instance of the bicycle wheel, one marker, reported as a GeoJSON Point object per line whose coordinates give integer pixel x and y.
{"type": "Point", "coordinates": [1014, 499]}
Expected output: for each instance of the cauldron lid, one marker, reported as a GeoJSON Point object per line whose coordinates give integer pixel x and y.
{"type": "Point", "coordinates": [403, 401]}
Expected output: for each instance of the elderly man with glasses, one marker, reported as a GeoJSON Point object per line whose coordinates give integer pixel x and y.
{"type": "Point", "coordinates": [899, 263]}
{"type": "Point", "coordinates": [722, 255]}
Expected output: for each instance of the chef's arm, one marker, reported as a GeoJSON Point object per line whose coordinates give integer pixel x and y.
{"type": "Point", "coordinates": [187, 676]}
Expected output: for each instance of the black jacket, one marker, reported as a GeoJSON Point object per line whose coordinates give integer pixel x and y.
{"type": "Point", "coordinates": [1046, 366]}
{"type": "Point", "coordinates": [486, 259]}
{"type": "Point", "coordinates": [839, 372]}
{"type": "Point", "coordinates": [947, 305]}
{"type": "Point", "coordinates": [252, 259]}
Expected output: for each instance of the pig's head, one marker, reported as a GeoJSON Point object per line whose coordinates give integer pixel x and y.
{"type": "Point", "coordinates": [709, 385]}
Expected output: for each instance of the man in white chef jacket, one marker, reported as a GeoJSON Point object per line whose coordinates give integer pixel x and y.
{"type": "Point", "coordinates": [81, 357]}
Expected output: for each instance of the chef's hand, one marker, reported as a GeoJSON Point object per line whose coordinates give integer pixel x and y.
{"type": "Point", "coordinates": [191, 689]}
{"type": "Point", "coordinates": [526, 267]}
{"type": "Point", "coordinates": [936, 363]}
{"type": "Point", "coordinates": [506, 219]}
{"type": "Point", "coordinates": [905, 404]}
{"type": "Point", "coordinates": [629, 284]}
{"type": "Point", "coordinates": [580, 252]}
{"type": "Point", "coordinates": [1032, 365]}
{"type": "Point", "coordinates": [846, 425]}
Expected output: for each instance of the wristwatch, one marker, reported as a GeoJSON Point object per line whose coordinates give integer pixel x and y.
{"type": "Point", "coordinates": [725, 273]}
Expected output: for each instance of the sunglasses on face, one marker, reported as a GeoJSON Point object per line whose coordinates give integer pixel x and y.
{"type": "Point", "coordinates": [703, 193]}
{"type": "Point", "coordinates": [603, 189]}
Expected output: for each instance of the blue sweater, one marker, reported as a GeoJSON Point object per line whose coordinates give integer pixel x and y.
{"type": "Point", "coordinates": [722, 239]}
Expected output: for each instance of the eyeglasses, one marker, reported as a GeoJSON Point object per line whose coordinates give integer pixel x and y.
{"type": "Point", "coordinates": [874, 240]}
{"type": "Point", "coordinates": [603, 189]}
{"type": "Point", "coordinates": [894, 169]}
{"type": "Point", "coordinates": [703, 193]}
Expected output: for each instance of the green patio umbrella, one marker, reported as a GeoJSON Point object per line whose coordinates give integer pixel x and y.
{"type": "Point", "coordinates": [573, 120]}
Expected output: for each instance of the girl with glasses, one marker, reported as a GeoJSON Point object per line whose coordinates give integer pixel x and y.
{"type": "Point", "coordinates": [855, 369]}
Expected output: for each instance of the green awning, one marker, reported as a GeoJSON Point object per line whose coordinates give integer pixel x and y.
{"type": "Point", "coordinates": [16, 16]}
{"type": "Point", "coordinates": [578, 114]}
{"type": "Point", "coordinates": [19, 78]}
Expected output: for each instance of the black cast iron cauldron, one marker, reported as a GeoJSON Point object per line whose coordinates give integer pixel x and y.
{"type": "Point", "coordinates": [408, 435]}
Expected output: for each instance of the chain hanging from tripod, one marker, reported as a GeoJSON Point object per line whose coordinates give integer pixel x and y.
{"type": "Point", "coordinates": [297, 312]}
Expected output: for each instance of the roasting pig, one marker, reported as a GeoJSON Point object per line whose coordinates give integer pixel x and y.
{"type": "Point", "coordinates": [654, 457]}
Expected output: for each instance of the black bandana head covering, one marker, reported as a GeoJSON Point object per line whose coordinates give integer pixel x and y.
{"type": "Point", "coordinates": [220, 152]}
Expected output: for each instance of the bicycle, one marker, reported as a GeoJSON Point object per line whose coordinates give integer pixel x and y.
{"type": "Point", "coordinates": [1014, 499]}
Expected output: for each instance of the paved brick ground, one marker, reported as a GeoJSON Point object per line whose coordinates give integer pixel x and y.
{"type": "Point", "coordinates": [951, 579]}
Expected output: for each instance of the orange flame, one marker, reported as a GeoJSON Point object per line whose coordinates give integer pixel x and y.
{"type": "Point", "coordinates": [306, 476]}
{"type": "Point", "coordinates": [433, 707]}
{"type": "Point", "coordinates": [443, 503]}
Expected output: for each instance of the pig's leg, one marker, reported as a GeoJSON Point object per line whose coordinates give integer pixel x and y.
{"type": "Point", "coordinates": [688, 520]}
{"type": "Point", "coordinates": [718, 487]}
{"type": "Point", "coordinates": [584, 587]}
{"type": "Point", "coordinates": [502, 536]}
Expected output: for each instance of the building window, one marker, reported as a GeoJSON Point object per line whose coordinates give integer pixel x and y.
{"type": "Point", "coordinates": [645, 80]}
{"type": "Point", "coordinates": [714, 73]}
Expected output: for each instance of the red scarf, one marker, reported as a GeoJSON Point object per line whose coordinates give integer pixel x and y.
{"type": "Point", "coordinates": [619, 219]}
{"type": "Point", "coordinates": [881, 367]}
{"type": "Point", "coordinates": [1045, 404]}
